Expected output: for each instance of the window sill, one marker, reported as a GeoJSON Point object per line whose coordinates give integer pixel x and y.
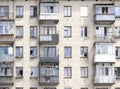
{"type": "Point", "coordinates": [33, 77]}
{"type": "Point", "coordinates": [67, 16]}
{"type": "Point", "coordinates": [67, 77]}
{"type": "Point", "coordinates": [19, 77]}
{"type": "Point", "coordinates": [67, 36]}
{"type": "Point", "coordinates": [18, 57]}
{"type": "Point", "coordinates": [19, 16]}
{"type": "Point", "coordinates": [33, 36]}
{"type": "Point", "coordinates": [19, 36]}
{"type": "Point", "coordinates": [67, 57]}
{"type": "Point", "coordinates": [84, 57]}
{"type": "Point", "coordinates": [33, 16]}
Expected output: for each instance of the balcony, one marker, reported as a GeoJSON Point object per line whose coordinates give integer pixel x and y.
{"type": "Point", "coordinates": [104, 58]}
{"type": "Point", "coordinates": [104, 18]}
{"type": "Point", "coordinates": [49, 39]}
{"type": "Point", "coordinates": [48, 17]}
{"type": "Point", "coordinates": [7, 16]}
{"type": "Point", "coordinates": [49, 74]}
{"type": "Point", "coordinates": [105, 39]}
{"type": "Point", "coordinates": [6, 81]}
{"type": "Point", "coordinates": [49, 59]}
{"type": "Point", "coordinates": [105, 80]}
{"type": "Point", "coordinates": [49, 80]}
{"type": "Point", "coordinates": [6, 38]}
{"type": "Point", "coordinates": [6, 58]}
{"type": "Point", "coordinates": [104, 14]}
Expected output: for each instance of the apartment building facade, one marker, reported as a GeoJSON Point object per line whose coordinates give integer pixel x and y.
{"type": "Point", "coordinates": [59, 44]}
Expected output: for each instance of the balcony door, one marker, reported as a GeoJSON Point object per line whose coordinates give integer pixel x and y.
{"type": "Point", "coordinates": [49, 30]}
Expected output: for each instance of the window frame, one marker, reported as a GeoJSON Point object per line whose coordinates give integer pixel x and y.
{"type": "Point", "coordinates": [84, 47]}
{"type": "Point", "coordinates": [35, 70]}
{"type": "Point", "coordinates": [68, 70]}
{"type": "Point", "coordinates": [19, 52]}
{"type": "Point", "coordinates": [34, 12]}
{"type": "Point", "coordinates": [117, 54]}
{"type": "Point", "coordinates": [34, 48]}
{"type": "Point", "coordinates": [84, 32]}
{"type": "Point", "coordinates": [20, 16]}
{"type": "Point", "coordinates": [68, 48]}
{"type": "Point", "coordinates": [82, 69]}
{"type": "Point", "coordinates": [18, 76]}
{"type": "Point", "coordinates": [47, 48]}
{"type": "Point", "coordinates": [19, 36]}
{"type": "Point", "coordinates": [66, 8]}
{"type": "Point", "coordinates": [68, 30]}
{"type": "Point", "coordinates": [84, 11]}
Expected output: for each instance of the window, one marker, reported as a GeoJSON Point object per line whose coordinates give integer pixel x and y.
{"type": "Point", "coordinates": [33, 52]}
{"type": "Point", "coordinates": [84, 51]}
{"type": "Point", "coordinates": [67, 72]}
{"type": "Point", "coordinates": [83, 31]}
{"type": "Point", "coordinates": [117, 52]}
{"type": "Point", "coordinates": [4, 11]}
{"type": "Point", "coordinates": [106, 71]}
{"type": "Point", "coordinates": [67, 11]}
{"type": "Point", "coordinates": [117, 71]}
{"type": "Point", "coordinates": [48, 30]}
{"type": "Point", "coordinates": [19, 51]}
{"type": "Point", "coordinates": [19, 31]}
{"type": "Point", "coordinates": [117, 11]}
{"type": "Point", "coordinates": [33, 11]}
{"type": "Point", "coordinates": [83, 11]}
{"type": "Point", "coordinates": [67, 52]}
{"type": "Point", "coordinates": [67, 31]}
{"type": "Point", "coordinates": [101, 31]}
{"type": "Point", "coordinates": [19, 87]}
{"type": "Point", "coordinates": [84, 72]}
{"type": "Point", "coordinates": [33, 31]}
{"type": "Point", "coordinates": [49, 7]}
{"type": "Point", "coordinates": [117, 31]}
{"type": "Point", "coordinates": [19, 11]}
{"type": "Point", "coordinates": [33, 72]}
{"type": "Point", "coordinates": [6, 70]}
{"type": "Point", "coordinates": [6, 50]}
{"type": "Point", "coordinates": [19, 72]}
{"type": "Point", "coordinates": [104, 48]}
{"type": "Point", "coordinates": [6, 27]}
{"type": "Point", "coordinates": [49, 51]}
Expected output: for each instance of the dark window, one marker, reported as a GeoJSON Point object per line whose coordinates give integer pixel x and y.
{"type": "Point", "coordinates": [33, 11]}
{"type": "Point", "coordinates": [19, 72]}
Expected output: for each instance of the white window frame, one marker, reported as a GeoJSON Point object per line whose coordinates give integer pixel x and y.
{"type": "Point", "coordinates": [84, 11]}
{"type": "Point", "coordinates": [67, 31]}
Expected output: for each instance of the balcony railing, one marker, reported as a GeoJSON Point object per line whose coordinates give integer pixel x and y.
{"type": "Point", "coordinates": [6, 81]}
{"type": "Point", "coordinates": [49, 80]}
{"type": "Point", "coordinates": [6, 58]}
{"type": "Point", "coordinates": [7, 16]}
{"type": "Point", "coordinates": [6, 38]}
{"type": "Point", "coordinates": [50, 59]}
{"type": "Point", "coordinates": [105, 79]}
{"type": "Point", "coordinates": [49, 17]}
{"type": "Point", "coordinates": [101, 38]}
{"type": "Point", "coordinates": [51, 39]}
{"type": "Point", "coordinates": [104, 18]}
{"type": "Point", "coordinates": [104, 58]}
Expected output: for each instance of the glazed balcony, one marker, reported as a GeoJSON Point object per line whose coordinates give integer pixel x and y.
{"type": "Point", "coordinates": [49, 74]}
{"type": "Point", "coordinates": [49, 39]}
{"type": "Point", "coordinates": [49, 12]}
{"type": "Point", "coordinates": [105, 80]}
{"type": "Point", "coordinates": [6, 58]}
{"type": "Point", "coordinates": [104, 14]}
